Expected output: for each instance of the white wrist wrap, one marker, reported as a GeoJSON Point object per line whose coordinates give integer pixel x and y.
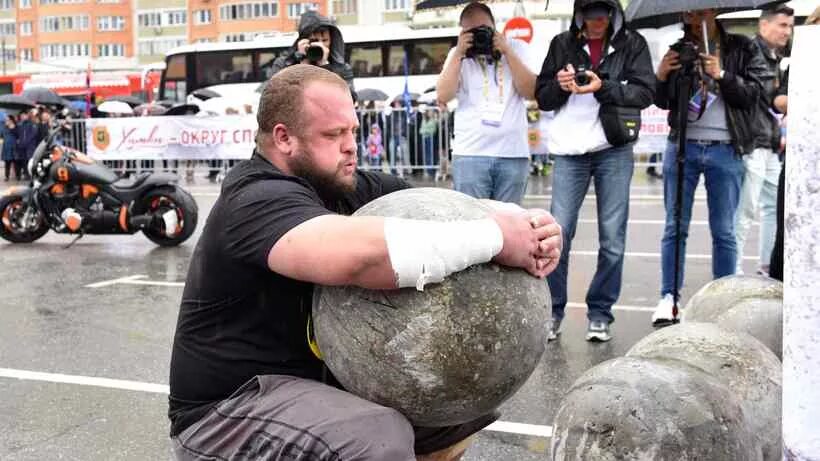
{"type": "Point", "coordinates": [423, 252]}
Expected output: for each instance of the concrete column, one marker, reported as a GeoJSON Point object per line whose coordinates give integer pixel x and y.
{"type": "Point", "coordinates": [801, 335]}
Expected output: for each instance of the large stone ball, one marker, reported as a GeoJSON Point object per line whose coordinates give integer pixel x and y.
{"type": "Point", "coordinates": [639, 409]}
{"type": "Point", "coordinates": [736, 359]}
{"type": "Point", "coordinates": [759, 317]}
{"type": "Point", "coordinates": [443, 356]}
{"type": "Point", "coordinates": [717, 296]}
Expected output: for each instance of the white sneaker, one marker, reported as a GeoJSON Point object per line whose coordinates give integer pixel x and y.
{"type": "Point", "coordinates": [665, 312]}
{"type": "Point", "coordinates": [171, 221]}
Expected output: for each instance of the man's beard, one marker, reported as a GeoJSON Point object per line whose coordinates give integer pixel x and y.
{"type": "Point", "coordinates": [328, 185]}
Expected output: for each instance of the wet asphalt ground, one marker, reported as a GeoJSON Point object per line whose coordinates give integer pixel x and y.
{"type": "Point", "coordinates": [86, 332]}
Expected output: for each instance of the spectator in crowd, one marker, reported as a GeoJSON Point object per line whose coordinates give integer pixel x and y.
{"type": "Point", "coordinates": [375, 148]}
{"type": "Point", "coordinates": [9, 135]}
{"type": "Point", "coordinates": [429, 131]}
{"type": "Point", "coordinates": [781, 105]}
{"type": "Point", "coordinates": [762, 165]}
{"type": "Point", "coordinates": [26, 140]}
{"type": "Point", "coordinates": [486, 73]}
{"type": "Point", "coordinates": [316, 30]}
{"type": "Point", "coordinates": [594, 75]}
{"type": "Point", "coordinates": [244, 381]}
{"type": "Point", "coordinates": [729, 77]}
{"type": "Point", "coordinates": [398, 122]}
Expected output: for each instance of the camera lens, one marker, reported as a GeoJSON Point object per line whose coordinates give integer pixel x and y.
{"type": "Point", "coordinates": [314, 53]}
{"type": "Point", "coordinates": [581, 78]}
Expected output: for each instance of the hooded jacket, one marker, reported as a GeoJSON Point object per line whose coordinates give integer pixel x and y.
{"type": "Point", "coordinates": [741, 88]}
{"type": "Point", "coordinates": [308, 23]}
{"type": "Point", "coordinates": [625, 68]}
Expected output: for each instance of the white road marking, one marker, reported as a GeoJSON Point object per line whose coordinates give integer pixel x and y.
{"type": "Point", "coordinates": [617, 307]}
{"type": "Point", "coordinates": [106, 283]}
{"type": "Point", "coordinates": [633, 254]}
{"type": "Point", "coordinates": [27, 375]}
{"type": "Point", "coordinates": [135, 280]}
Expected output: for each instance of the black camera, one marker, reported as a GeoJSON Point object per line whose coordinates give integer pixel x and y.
{"type": "Point", "coordinates": [314, 52]}
{"type": "Point", "coordinates": [482, 42]}
{"type": "Point", "coordinates": [581, 77]}
{"type": "Point", "coordinates": [687, 52]}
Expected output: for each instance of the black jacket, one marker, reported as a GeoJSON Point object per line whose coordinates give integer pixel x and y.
{"type": "Point", "coordinates": [308, 23]}
{"type": "Point", "coordinates": [767, 126]}
{"type": "Point", "coordinates": [740, 87]}
{"type": "Point", "coordinates": [630, 62]}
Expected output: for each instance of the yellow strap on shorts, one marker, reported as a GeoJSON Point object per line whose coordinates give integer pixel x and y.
{"type": "Point", "coordinates": [311, 339]}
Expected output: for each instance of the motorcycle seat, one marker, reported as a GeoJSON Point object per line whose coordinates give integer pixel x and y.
{"type": "Point", "coordinates": [132, 181]}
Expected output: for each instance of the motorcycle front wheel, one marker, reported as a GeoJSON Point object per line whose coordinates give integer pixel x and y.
{"type": "Point", "coordinates": [12, 221]}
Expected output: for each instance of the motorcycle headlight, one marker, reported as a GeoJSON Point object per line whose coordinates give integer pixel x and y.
{"type": "Point", "coordinates": [30, 166]}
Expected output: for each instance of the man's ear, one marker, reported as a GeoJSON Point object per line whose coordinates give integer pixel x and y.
{"type": "Point", "coordinates": [282, 139]}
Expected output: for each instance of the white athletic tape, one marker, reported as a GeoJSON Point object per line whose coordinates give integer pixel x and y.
{"type": "Point", "coordinates": [423, 252]}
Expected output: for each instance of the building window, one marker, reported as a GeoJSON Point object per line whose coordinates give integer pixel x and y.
{"type": "Point", "coordinates": [6, 4]}
{"type": "Point", "coordinates": [111, 50]}
{"type": "Point", "coordinates": [25, 4]}
{"type": "Point", "coordinates": [64, 50]}
{"type": "Point", "coordinates": [26, 54]}
{"type": "Point", "coordinates": [202, 17]}
{"type": "Point", "coordinates": [204, 40]}
{"type": "Point", "coordinates": [63, 23]}
{"type": "Point", "coordinates": [396, 5]}
{"type": "Point", "coordinates": [7, 29]}
{"type": "Point", "coordinates": [25, 28]}
{"type": "Point", "coordinates": [242, 11]}
{"type": "Point", "coordinates": [342, 7]}
{"type": "Point", "coordinates": [60, 2]}
{"type": "Point", "coordinates": [110, 23]}
{"type": "Point", "coordinates": [149, 19]}
{"type": "Point", "coordinates": [108, 1]}
{"type": "Point", "coordinates": [296, 9]}
{"type": "Point", "coordinates": [163, 18]}
{"type": "Point", "coordinates": [176, 18]}
{"type": "Point", "coordinates": [161, 46]}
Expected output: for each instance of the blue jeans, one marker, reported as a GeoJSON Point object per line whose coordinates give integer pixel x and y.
{"type": "Point", "coordinates": [611, 169]}
{"type": "Point", "coordinates": [497, 178]}
{"type": "Point", "coordinates": [722, 169]}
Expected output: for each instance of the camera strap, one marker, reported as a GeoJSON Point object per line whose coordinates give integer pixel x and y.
{"type": "Point", "coordinates": [499, 79]}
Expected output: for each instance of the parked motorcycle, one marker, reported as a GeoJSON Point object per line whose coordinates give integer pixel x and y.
{"type": "Point", "coordinates": [70, 193]}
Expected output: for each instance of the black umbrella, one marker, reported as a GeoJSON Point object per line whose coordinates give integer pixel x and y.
{"type": "Point", "coordinates": [44, 96]}
{"type": "Point", "coordinates": [430, 4]}
{"type": "Point", "coordinates": [132, 101]}
{"type": "Point", "coordinates": [16, 103]}
{"type": "Point", "coordinates": [659, 13]}
{"type": "Point", "coordinates": [205, 94]}
{"type": "Point", "coordinates": [183, 109]}
{"type": "Point", "coordinates": [371, 94]}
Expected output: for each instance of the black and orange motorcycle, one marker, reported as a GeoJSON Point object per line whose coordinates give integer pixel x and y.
{"type": "Point", "coordinates": [70, 193]}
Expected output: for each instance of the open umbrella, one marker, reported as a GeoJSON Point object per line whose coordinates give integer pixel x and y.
{"type": "Point", "coordinates": [115, 107]}
{"type": "Point", "coordinates": [16, 103]}
{"type": "Point", "coordinates": [150, 109]}
{"type": "Point", "coordinates": [205, 94]}
{"type": "Point", "coordinates": [659, 13]}
{"type": "Point", "coordinates": [44, 96]}
{"type": "Point", "coordinates": [431, 4]}
{"type": "Point", "coordinates": [183, 109]}
{"type": "Point", "coordinates": [132, 101]}
{"type": "Point", "coordinates": [371, 94]}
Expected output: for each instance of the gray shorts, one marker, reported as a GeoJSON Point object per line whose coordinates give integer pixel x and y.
{"type": "Point", "coordinates": [277, 417]}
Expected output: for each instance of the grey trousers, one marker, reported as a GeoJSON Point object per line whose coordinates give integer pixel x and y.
{"type": "Point", "coordinates": [277, 417]}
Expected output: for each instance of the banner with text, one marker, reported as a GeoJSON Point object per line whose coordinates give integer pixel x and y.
{"type": "Point", "coordinates": [174, 137]}
{"type": "Point", "coordinates": [654, 131]}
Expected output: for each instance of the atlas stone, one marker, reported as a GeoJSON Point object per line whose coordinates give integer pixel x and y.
{"type": "Point", "coordinates": [633, 408]}
{"type": "Point", "coordinates": [449, 354]}
{"type": "Point", "coordinates": [717, 296]}
{"type": "Point", "coordinates": [739, 361]}
{"type": "Point", "coordinates": [759, 317]}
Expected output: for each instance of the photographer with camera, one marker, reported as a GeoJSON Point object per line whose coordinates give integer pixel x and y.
{"type": "Point", "coordinates": [597, 77]}
{"type": "Point", "coordinates": [319, 43]}
{"type": "Point", "coordinates": [487, 74]}
{"type": "Point", "coordinates": [728, 75]}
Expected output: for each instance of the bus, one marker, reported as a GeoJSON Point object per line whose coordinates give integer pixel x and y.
{"type": "Point", "coordinates": [377, 54]}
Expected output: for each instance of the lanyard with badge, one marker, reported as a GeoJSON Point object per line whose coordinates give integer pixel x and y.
{"type": "Point", "coordinates": [706, 95]}
{"type": "Point", "coordinates": [492, 111]}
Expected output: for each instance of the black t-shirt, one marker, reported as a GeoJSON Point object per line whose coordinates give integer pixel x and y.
{"type": "Point", "coordinates": [238, 319]}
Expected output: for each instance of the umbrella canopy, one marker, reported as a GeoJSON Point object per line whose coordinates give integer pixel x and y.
{"type": "Point", "coordinates": [132, 101]}
{"type": "Point", "coordinates": [431, 4]}
{"type": "Point", "coordinates": [183, 109]}
{"type": "Point", "coordinates": [16, 103]}
{"type": "Point", "coordinates": [205, 94]}
{"type": "Point", "coordinates": [371, 94]}
{"type": "Point", "coordinates": [167, 103]}
{"type": "Point", "coordinates": [150, 109]}
{"type": "Point", "coordinates": [115, 107]}
{"type": "Point", "coordinates": [659, 13]}
{"type": "Point", "coordinates": [43, 96]}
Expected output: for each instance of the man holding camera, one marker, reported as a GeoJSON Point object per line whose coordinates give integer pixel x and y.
{"type": "Point", "coordinates": [319, 43]}
{"type": "Point", "coordinates": [596, 77]}
{"type": "Point", "coordinates": [728, 75]}
{"type": "Point", "coordinates": [487, 74]}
